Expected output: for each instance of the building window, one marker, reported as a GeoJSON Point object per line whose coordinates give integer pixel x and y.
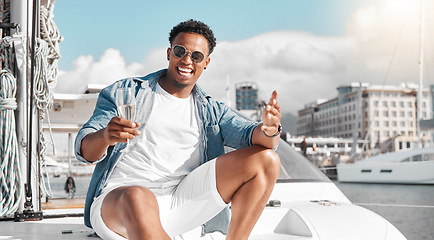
{"type": "Point", "coordinates": [401, 104]}
{"type": "Point", "coordinates": [402, 114]}
{"type": "Point", "coordinates": [386, 123]}
{"type": "Point", "coordinates": [393, 104]}
{"type": "Point", "coordinates": [409, 104]}
{"type": "Point", "coordinates": [410, 114]}
{"type": "Point", "coordinates": [393, 113]}
{"type": "Point", "coordinates": [385, 114]}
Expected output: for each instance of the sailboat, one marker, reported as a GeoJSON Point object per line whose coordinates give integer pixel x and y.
{"type": "Point", "coordinates": [304, 205]}
{"type": "Point", "coordinates": [413, 166]}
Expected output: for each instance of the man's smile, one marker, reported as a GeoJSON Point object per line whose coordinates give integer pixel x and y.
{"type": "Point", "coordinates": [185, 71]}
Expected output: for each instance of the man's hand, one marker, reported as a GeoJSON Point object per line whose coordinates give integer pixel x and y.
{"type": "Point", "coordinates": [120, 130]}
{"type": "Point", "coordinates": [271, 116]}
{"type": "Point", "coordinates": [94, 145]}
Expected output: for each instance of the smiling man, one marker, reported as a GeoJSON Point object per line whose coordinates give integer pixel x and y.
{"type": "Point", "coordinates": [177, 175]}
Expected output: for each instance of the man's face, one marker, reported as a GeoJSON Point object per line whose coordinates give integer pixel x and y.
{"type": "Point", "coordinates": [183, 71]}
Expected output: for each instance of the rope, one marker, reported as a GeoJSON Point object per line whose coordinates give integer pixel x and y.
{"type": "Point", "coordinates": [10, 174]}
{"type": "Point", "coordinates": [50, 34]}
{"type": "Point", "coordinates": [46, 70]}
{"type": "Point", "coordinates": [45, 76]}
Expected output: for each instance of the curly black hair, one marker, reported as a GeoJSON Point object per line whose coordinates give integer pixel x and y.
{"type": "Point", "coordinates": [193, 26]}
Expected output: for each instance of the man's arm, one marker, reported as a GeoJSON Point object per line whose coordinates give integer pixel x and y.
{"type": "Point", "coordinates": [264, 134]}
{"type": "Point", "coordinates": [94, 145]}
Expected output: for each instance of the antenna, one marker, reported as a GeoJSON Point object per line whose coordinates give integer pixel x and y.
{"type": "Point", "coordinates": [420, 91]}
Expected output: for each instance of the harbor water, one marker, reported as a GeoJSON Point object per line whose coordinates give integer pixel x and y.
{"type": "Point", "coordinates": [409, 207]}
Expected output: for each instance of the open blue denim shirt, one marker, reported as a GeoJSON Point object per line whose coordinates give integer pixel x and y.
{"type": "Point", "coordinates": [220, 127]}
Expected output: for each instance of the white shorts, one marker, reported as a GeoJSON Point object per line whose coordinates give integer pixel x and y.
{"type": "Point", "coordinates": [193, 202]}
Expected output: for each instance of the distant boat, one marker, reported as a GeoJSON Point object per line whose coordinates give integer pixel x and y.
{"type": "Point", "coordinates": [415, 166]}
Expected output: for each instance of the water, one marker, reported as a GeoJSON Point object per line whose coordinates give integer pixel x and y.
{"type": "Point", "coordinates": [58, 184]}
{"type": "Point", "coordinates": [410, 208]}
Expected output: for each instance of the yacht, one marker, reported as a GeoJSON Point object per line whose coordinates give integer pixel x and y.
{"type": "Point", "coordinates": [304, 205]}
{"type": "Point", "coordinates": [413, 166]}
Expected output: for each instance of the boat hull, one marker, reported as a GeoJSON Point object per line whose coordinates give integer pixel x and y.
{"type": "Point", "coordinates": [400, 173]}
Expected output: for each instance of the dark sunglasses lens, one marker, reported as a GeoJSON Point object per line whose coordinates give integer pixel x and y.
{"type": "Point", "coordinates": [179, 51]}
{"type": "Point", "coordinates": [197, 56]}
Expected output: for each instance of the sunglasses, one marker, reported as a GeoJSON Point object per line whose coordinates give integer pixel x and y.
{"type": "Point", "coordinates": [179, 51]}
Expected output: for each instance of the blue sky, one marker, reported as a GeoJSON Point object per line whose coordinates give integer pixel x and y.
{"type": "Point", "coordinates": [136, 26]}
{"type": "Point", "coordinates": [302, 48]}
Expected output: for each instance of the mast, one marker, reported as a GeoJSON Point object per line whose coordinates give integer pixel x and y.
{"type": "Point", "coordinates": [26, 14]}
{"type": "Point", "coordinates": [420, 91]}
{"type": "Point", "coordinates": [18, 10]}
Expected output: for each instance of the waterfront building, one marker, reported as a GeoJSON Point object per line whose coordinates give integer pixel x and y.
{"type": "Point", "coordinates": [247, 101]}
{"type": "Point", "coordinates": [383, 115]}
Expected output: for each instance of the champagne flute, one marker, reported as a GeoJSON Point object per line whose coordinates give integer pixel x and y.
{"type": "Point", "coordinates": [126, 103]}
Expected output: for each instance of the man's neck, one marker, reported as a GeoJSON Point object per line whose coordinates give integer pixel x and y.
{"type": "Point", "coordinates": [174, 88]}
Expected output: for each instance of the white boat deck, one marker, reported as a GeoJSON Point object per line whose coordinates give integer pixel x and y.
{"type": "Point", "coordinates": [47, 229]}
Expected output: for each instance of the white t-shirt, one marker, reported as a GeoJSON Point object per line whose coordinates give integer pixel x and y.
{"type": "Point", "coordinates": [168, 148]}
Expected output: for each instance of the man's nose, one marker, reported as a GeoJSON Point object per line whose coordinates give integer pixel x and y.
{"type": "Point", "coordinates": [187, 57]}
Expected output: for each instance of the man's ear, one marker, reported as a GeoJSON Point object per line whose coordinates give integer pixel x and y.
{"type": "Point", "coordinates": [208, 59]}
{"type": "Point", "coordinates": [168, 53]}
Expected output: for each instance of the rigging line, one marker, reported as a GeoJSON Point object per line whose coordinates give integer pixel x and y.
{"type": "Point", "coordinates": [387, 75]}
{"type": "Point", "coordinates": [430, 49]}
{"type": "Point", "coordinates": [395, 205]}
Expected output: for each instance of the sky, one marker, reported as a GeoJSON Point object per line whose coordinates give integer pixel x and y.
{"type": "Point", "coordinates": [304, 49]}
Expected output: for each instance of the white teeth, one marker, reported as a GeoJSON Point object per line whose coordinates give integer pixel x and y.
{"type": "Point", "coordinates": [185, 71]}
{"type": "Point", "coordinates": [185, 74]}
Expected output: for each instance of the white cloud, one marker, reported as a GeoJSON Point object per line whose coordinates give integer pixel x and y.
{"type": "Point", "coordinates": [110, 67]}
{"type": "Point", "coordinates": [301, 66]}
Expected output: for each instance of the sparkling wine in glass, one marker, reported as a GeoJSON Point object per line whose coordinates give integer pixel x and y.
{"type": "Point", "coordinates": [126, 103]}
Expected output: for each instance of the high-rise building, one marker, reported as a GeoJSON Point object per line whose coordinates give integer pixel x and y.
{"type": "Point", "coordinates": [247, 96]}
{"type": "Point", "coordinates": [247, 101]}
{"type": "Point", "coordinates": [385, 115]}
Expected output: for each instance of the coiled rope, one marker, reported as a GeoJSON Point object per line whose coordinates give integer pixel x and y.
{"type": "Point", "coordinates": [10, 173]}
{"type": "Point", "coordinates": [46, 55]}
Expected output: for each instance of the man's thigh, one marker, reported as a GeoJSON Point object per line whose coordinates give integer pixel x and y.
{"type": "Point", "coordinates": [124, 202]}
{"type": "Point", "coordinates": [195, 200]}
{"type": "Point", "coordinates": [237, 167]}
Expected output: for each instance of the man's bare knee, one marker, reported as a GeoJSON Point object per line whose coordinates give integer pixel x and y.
{"type": "Point", "coordinates": [270, 163]}
{"type": "Point", "coordinates": [136, 197]}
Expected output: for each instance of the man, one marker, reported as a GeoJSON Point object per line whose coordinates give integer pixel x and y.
{"type": "Point", "coordinates": [177, 175]}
